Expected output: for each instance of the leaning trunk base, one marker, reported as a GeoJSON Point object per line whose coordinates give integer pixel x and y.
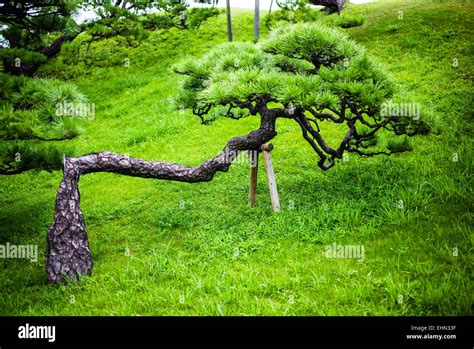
{"type": "Point", "coordinates": [68, 253]}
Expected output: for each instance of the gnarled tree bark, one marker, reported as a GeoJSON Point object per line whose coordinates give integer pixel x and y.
{"type": "Point", "coordinates": [68, 253]}
{"type": "Point", "coordinates": [331, 5]}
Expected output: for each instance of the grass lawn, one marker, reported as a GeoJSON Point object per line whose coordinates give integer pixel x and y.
{"type": "Point", "coordinates": [167, 248]}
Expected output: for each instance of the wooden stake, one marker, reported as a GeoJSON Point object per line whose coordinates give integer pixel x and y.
{"type": "Point", "coordinates": [253, 155]}
{"type": "Point", "coordinates": [272, 187]}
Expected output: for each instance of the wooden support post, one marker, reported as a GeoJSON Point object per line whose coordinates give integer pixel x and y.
{"type": "Point", "coordinates": [253, 156]}
{"type": "Point", "coordinates": [272, 187]}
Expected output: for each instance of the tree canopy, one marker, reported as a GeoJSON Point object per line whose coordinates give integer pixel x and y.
{"type": "Point", "coordinates": [307, 72]}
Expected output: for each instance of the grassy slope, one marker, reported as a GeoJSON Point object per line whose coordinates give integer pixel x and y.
{"type": "Point", "coordinates": [217, 256]}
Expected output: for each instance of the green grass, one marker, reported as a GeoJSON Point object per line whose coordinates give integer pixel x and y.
{"type": "Point", "coordinates": [167, 248]}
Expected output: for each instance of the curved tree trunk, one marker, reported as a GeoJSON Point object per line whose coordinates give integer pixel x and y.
{"type": "Point", "coordinates": [68, 253]}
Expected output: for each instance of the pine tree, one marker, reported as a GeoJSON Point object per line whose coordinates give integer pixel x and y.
{"type": "Point", "coordinates": [310, 74]}
{"type": "Point", "coordinates": [31, 116]}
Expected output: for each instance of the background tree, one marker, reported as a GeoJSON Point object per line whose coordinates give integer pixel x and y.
{"type": "Point", "coordinates": [35, 31]}
{"type": "Point", "coordinates": [129, 19]}
{"type": "Point", "coordinates": [116, 17]}
{"type": "Point", "coordinates": [307, 73]}
{"type": "Point", "coordinates": [257, 20]}
{"type": "Point", "coordinates": [229, 21]}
